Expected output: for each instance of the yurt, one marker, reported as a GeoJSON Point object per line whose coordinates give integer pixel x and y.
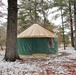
{"type": "Point", "coordinates": [37, 40]}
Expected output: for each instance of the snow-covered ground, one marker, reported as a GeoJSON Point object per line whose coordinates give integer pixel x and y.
{"type": "Point", "coordinates": [64, 63]}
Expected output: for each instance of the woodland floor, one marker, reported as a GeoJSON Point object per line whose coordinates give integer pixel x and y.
{"type": "Point", "coordinates": [62, 64]}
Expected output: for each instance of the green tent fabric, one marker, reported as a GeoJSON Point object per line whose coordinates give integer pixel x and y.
{"type": "Point", "coordinates": [37, 40]}
{"type": "Point", "coordinates": [29, 46]}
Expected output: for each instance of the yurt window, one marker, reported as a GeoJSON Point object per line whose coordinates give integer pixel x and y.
{"type": "Point", "coordinates": [51, 43]}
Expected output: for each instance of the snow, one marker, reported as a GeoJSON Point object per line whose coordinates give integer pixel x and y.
{"type": "Point", "coordinates": [64, 63]}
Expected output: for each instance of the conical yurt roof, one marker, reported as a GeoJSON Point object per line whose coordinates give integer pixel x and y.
{"type": "Point", "coordinates": [36, 31]}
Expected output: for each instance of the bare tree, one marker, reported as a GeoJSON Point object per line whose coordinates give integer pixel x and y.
{"type": "Point", "coordinates": [71, 24]}
{"type": "Point", "coordinates": [62, 25]}
{"type": "Point", "coordinates": [75, 22]}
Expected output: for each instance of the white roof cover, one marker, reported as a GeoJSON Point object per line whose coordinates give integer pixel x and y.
{"type": "Point", "coordinates": [36, 31]}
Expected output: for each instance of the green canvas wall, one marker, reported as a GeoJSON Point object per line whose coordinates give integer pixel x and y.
{"type": "Point", "coordinates": [29, 46]}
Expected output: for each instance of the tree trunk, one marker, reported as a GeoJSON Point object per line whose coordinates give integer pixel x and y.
{"type": "Point", "coordinates": [62, 26]}
{"type": "Point", "coordinates": [71, 25]}
{"type": "Point", "coordinates": [44, 19]}
{"type": "Point", "coordinates": [43, 14]}
{"type": "Point", "coordinates": [35, 12]}
{"type": "Point", "coordinates": [11, 53]}
{"type": "Point", "coordinates": [30, 11]}
{"type": "Point", "coordinates": [1, 47]}
{"type": "Point", "coordinates": [75, 22]}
